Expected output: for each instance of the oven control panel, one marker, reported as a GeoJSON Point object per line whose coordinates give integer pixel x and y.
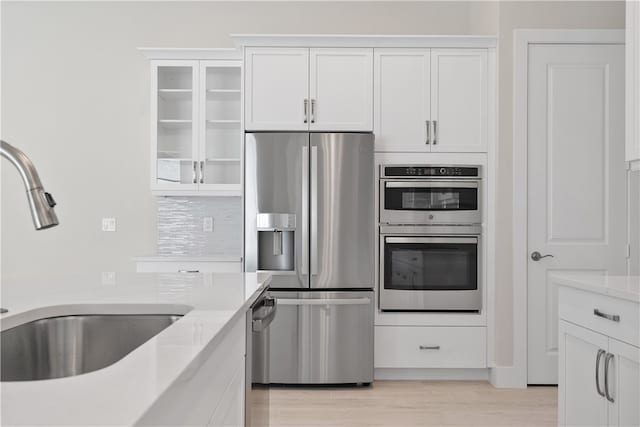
{"type": "Point", "coordinates": [414, 171]}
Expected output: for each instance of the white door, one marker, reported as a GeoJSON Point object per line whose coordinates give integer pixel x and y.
{"type": "Point", "coordinates": [576, 180]}
{"type": "Point", "coordinates": [402, 99]}
{"type": "Point", "coordinates": [580, 403]}
{"type": "Point", "coordinates": [341, 89]}
{"type": "Point", "coordinates": [625, 386]}
{"type": "Point", "coordinates": [459, 100]}
{"type": "Point", "coordinates": [276, 88]}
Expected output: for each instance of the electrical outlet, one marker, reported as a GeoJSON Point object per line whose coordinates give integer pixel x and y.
{"type": "Point", "coordinates": [108, 224]}
{"type": "Point", "coordinates": [207, 224]}
{"type": "Point", "coordinates": [108, 278]}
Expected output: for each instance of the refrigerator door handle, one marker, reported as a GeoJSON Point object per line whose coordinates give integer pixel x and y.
{"type": "Point", "coordinates": [304, 269]}
{"type": "Point", "coordinates": [314, 210]}
{"type": "Point", "coordinates": [323, 301]}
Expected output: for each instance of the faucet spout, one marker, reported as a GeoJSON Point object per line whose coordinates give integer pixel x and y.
{"type": "Point", "coordinates": [41, 203]}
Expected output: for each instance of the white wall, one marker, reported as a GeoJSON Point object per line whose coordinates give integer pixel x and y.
{"type": "Point", "coordinates": [75, 98]}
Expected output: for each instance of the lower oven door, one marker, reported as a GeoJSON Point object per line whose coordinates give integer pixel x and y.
{"type": "Point", "coordinates": [430, 273]}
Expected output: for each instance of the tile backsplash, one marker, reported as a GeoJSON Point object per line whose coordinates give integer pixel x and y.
{"type": "Point", "coordinates": [181, 220]}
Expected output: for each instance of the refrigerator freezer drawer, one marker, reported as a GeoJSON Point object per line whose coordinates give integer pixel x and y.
{"type": "Point", "coordinates": [321, 337]}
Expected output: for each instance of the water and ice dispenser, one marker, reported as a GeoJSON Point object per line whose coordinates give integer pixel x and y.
{"type": "Point", "coordinates": [276, 241]}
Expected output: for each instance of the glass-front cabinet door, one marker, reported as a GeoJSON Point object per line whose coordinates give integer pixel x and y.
{"type": "Point", "coordinates": [176, 126]}
{"type": "Point", "coordinates": [221, 130]}
{"type": "Point", "coordinates": [196, 127]}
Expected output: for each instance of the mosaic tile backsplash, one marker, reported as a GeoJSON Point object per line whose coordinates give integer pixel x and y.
{"type": "Point", "coordinates": [180, 226]}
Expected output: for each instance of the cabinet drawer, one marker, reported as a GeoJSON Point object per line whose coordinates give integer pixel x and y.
{"type": "Point", "coordinates": [577, 306]}
{"type": "Point", "coordinates": [430, 347]}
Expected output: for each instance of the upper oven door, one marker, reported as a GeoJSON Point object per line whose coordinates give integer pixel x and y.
{"type": "Point", "coordinates": [429, 202]}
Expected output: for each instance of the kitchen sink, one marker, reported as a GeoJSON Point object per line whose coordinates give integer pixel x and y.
{"type": "Point", "coordinates": [65, 346]}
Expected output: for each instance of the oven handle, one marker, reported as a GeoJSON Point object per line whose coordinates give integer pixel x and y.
{"type": "Point", "coordinates": [431, 240]}
{"type": "Point", "coordinates": [430, 184]}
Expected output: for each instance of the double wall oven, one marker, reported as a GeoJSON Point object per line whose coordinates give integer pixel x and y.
{"type": "Point", "coordinates": [430, 238]}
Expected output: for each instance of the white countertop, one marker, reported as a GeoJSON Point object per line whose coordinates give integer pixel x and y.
{"type": "Point", "coordinates": [119, 394]}
{"type": "Point", "coordinates": [188, 258]}
{"type": "Point", "coordinates": [624, 287]}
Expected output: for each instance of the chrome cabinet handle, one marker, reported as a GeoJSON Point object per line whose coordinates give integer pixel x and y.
{"type": "Point", "coordinates": [537, 256]}
{"type": "Point", "coordinates": [202, 172]}
{"type": "Point", "coordinates": [313, 111]}
{"type": "Point", "coordinates": [435, 132]}
{"type": "Point", "coordinates": [598, 357]}
{"type": "Point", "coordinates": [612, 317]}
{"type": "Point", "coordinates": [429, 347]}
{"type": "Point", "coordinates": [188, 271]}
{"type": "Point", "coordinates": [607, 359]}
{"type": "Point", "coordinates": [306, 110]}
{"type": "Point", "coordinates": [195, 177]}
{"type": "Point", "coordinates": [428, 123]}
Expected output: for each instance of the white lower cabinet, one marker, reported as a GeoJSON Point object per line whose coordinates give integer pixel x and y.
{"type": "Point", "coordinates": [430, 347]}
{"type": "Point", "coordinates": [580, 402]}
{"type": "Point", "coordinates": [211, 391]}
{"type": "Point", "coordinates": [230, 410]}
{"type": "Point", "coordinates": [599, 375]}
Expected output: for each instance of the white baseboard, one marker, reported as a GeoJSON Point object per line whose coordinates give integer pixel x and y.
{"type": "Point", "coordinates": [507, 377]}
{"type": "Point", "coordinates": [431, 374]}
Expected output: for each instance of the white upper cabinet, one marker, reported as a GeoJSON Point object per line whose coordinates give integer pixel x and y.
{"type": "Point", "coordinates": [340, 92]}
{"type": "Point", "coordinates": [431, 100]}
{"type": "Point", "coordinates": [459, 100]}
{"type": "Point", "coordinates": [276, 88]}
{"type": "Point", "coordinates": [300, 89]}
{"type": "Point", "coordinates": [196, 124]}
{"type": "Point", "coordinates": [632, 47]}
{"type": "Point", "coordinates": [402, 99]}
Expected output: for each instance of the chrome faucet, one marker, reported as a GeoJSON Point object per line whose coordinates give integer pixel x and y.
{"type": "Point", "coordinates": [41, 203]}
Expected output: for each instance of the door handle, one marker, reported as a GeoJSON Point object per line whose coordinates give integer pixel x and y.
{"type": "Point", "coordinates": [537, 256]}
{"type": "Point", "coordinates": [598, 357]}
{"type": "Point", "coordinates": [324, 301]}
{"type": "Point", "coordinates": [607, 359]}
{"type": "Point", "coordinates": [202, 172]}
{"type": "Point", "coordinates": [195, 175]}
{"type": "Point", "coordinates": [428, 123]}
{"type": "Point", "coordinates": [306, 110]}
{"type": "Point", "coordinates": [313, 111]}
{"type": "Point", "coordinates": [435, 132]}
{"type": "Point", "coordinates": [260, 323]}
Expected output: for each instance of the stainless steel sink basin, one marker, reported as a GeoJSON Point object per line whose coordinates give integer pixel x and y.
{"type": "Point", "coordinates": [57, 347]}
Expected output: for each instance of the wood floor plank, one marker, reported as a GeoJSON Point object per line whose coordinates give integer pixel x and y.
{"type": "Point", "coordinates": [414, 403]}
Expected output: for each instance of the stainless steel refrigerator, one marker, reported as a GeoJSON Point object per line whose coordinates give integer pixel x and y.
{"type": "Point", "coordinates": [309, 220]}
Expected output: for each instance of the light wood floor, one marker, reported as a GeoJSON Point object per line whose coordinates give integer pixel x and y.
{"type": "Point", "coordinates": [414, 403]}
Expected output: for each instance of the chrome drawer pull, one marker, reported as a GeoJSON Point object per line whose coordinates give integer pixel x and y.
{"type": "Point", "coordinates": [612, 317]}
{"type": "Point", "coordinates": [188, 271]}
{"type": "Point", "coordinates": [429, 347]}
